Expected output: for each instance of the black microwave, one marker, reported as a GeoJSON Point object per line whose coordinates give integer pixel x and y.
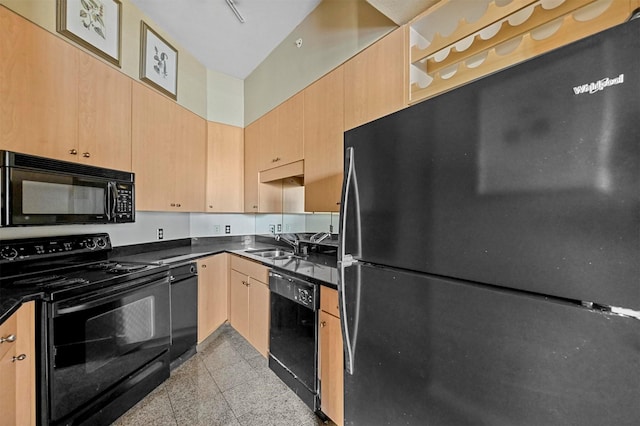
{"type": "Point", "coordinates": [42, 191]}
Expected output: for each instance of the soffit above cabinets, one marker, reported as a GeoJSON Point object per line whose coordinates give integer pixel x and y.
{"type": "Point", "coordinates": [402, 11]}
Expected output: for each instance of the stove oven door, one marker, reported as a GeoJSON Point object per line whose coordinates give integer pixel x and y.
{"type": "Point", "coordinates": [97, 341]}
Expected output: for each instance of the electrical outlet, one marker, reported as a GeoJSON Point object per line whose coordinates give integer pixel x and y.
{"type": "Point", "coordinates": [160, 233]}
{"type": "Point", "coordinates": [279, 227]}
{"type": "Point", "coordinates": [331, 229]}
{"type": "Point", "coordinates": [216, 229]}
{"type": "Point", "coordinates": [272, 229]}
{"type": "Point", "coordinates": [227, 229]}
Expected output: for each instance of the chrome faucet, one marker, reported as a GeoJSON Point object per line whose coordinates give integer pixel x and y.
{"type": "Point", "coordinates": [293, 243]}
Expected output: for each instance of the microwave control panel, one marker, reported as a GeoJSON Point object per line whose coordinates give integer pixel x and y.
{"type": "Point", "coordinates": [124, 201]}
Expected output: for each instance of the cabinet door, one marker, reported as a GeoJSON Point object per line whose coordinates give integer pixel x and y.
{"type": "Point", "coordinates": [17, 368]}
{"type": "Point", "coordinates": [213, 294]}
{"type": "Point", "coordinates": [104, 125]}
{"type": "Point", "coordinates": [323, 143]}
{"type": "Point", "coordinates": [281, 139]}
{"type": "Point", "coordinates": [259, 316]}
{"type": "Point", "coordinates": [267, 147]}
{"type": "Point", "coordinates": [331, 368]}
{"type": "Point", "coordinates": [189, 153]}
{"type": "Point", "coordinates": [251, 172]}
{"type": "Point", "coordinates": [38, 90]}
{"type": "Point", "coordinates": [153, 118]}
{"type": "Point", "coordinates": [26, 368]}
{"type": "Point", "coordinates": [239, 303]}
{"type": "Point", "coordinates": [290, 147]}
{"type": "Point", "coordinates": [8, 378]}
{"type": "Point", "coordinates": [374, 81]}
{"type": "Point", "coordinates": [225, 168]}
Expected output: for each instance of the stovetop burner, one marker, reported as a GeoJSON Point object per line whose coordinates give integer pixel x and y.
{"type": "Point", "coordinates": [67, 265]}
{"type": "Point", "coordinates": [118, 267]}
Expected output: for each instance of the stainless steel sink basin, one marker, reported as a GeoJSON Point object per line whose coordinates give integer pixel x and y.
{"type": "Point", "coordinates": [272, 253]}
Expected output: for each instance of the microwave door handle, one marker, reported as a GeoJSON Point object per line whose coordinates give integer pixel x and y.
{"type": "Point", "coordinates": [111, 205]}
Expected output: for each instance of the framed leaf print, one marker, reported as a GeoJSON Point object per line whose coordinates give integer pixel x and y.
{"type": "Point", "coordinates": [93, 24]}
{"type": "Point", "coordinates": [158, 62]}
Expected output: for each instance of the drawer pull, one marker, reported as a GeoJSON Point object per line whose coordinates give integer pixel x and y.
{"type": "Point", "coordinates": [86, 154]}
{"type": "Point", "coordinates": [73, 151]}
{"type": "Point", "coordinates": [20, 357]}
{"type": "Point", "coordinates": [10, 338]}
{"type": "Point", "coordinates": [323, 323]}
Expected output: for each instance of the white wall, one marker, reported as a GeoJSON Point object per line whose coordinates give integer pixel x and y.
{"type": "Point", "coordinates": [144, 230]}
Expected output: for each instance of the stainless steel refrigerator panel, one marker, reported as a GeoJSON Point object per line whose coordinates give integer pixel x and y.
{"type": "Point", "coordinates": [525, 179]}
{"type": "Point", "coordinates": [430, 351]}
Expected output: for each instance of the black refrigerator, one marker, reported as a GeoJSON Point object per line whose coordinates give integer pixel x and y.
{"type": "Point", "coordinates": [490, 248]}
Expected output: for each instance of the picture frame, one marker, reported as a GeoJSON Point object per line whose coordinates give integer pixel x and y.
{"type": "Point", "coordinates": [158, 62]}
{"type": "Point", "coordinates": [95, 25]}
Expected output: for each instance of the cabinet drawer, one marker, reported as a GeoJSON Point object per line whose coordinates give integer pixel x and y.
{"type": "Point", "coordinates": [8, 328]}
{"type": "Point", "coordinates": [329, 301]}
{"type": "Point", "coordinates": [250, 268]}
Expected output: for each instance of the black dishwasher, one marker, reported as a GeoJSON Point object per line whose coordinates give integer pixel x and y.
{"type": "Point", "coordinates": [184, 312]}
{"type": "Point", "coordinates": [293, 335]}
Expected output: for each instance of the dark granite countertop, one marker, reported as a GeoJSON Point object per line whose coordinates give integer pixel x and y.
{"type": "Point", "coordinates": [318, 268]}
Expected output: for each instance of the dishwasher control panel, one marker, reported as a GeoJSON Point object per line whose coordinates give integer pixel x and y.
{"type": "Point", "coordinates": [295, 289]}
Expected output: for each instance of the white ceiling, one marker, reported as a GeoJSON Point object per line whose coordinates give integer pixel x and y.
{"type": "Point", "coordinates": [210, 31]}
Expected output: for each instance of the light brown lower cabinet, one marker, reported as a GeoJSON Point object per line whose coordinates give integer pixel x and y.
{"type": "Point", "coordinates": [17, 367]}
{"type": "Point", "coordinates": [249, 302]}
{"type": "Point", "coordinates": [331, 357]}
{"type": "Point", "coordinates": [213, 294]}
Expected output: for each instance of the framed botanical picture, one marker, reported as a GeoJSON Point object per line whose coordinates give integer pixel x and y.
{"type": "Point", "coordinates": [93, 24]}
{"type": "Point", "coordinates": [158, 62]}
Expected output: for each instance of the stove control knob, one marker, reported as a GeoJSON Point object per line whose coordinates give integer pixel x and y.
{"type": "Point", "coordinates": [8, 253]}
{"type": "Point", "coordinates": [100, 242]}
{"type": "Point", "coordinates": [90, 244]}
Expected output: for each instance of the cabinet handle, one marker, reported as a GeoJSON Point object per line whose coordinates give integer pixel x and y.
{"type": "Point", "coordinates": [204, 266]}
{"type": "Point", "coordinates": [9, 339]}
{"type": "Point", "coordinates": [338, 203]}
{"type": "Point", "coordinates": [173, 204]}
{"type": "Point", "coordinates": [275, 160]}
{"type": "Point", "coordinates": [86, 154]}
{"type": "Point", "coordinates": [210, 206]}
{"type": "Point", "coordinates": [178, 205]}
{"type": "Point", "coordinates": [73, 151]}
{"type": "Point", "coordinates": [20, 357]}
{"type": "Point", "coordinates": [323, 323]}
{"type": "Point", "coordinates": [255, 207]}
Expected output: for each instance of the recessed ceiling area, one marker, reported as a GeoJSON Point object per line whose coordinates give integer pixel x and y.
{"type": "Point", "coordinates": [212, 33]}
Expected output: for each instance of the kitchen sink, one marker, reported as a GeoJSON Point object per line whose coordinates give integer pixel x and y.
{"type": "Point", "coordinates": [272, 253]}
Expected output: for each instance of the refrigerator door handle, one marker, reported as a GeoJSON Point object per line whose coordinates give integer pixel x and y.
{"type": "Point", "coordinates": [346, 260]}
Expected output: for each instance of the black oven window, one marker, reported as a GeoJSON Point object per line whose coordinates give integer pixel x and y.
{"type": "Point", "coordinates": [111, 333]}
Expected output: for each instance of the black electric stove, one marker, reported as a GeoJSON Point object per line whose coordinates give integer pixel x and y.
{"type": "Point", "coordinates": [105, 326]}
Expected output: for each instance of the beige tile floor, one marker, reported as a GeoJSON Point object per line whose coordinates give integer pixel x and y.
{"type": "Point", "coordinates": [226, 383]}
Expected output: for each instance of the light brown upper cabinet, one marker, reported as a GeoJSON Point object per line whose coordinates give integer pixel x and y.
{"type": "Point", "coordinates": [59, 102]}
{"type": "Point", "coordinates": [105, 115]}
{"type": "Point", "coordinates": [168, 153]}
{"type": "Point", "coordinates": [225, 168]}
{"type": "Point", "coordinates": [375, 81]}
{"type": "Point", "coordinates": [282, 134]}
{"type": "Point", "coordinates": [251, 172]}
{"type": "Point", "coordinates": [258, 197]}
{"type": "Point", "coordinates": [323, 142]}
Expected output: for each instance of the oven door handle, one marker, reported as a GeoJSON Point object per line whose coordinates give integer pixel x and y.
{"type": "Point", "coordinates": [94, 299]}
